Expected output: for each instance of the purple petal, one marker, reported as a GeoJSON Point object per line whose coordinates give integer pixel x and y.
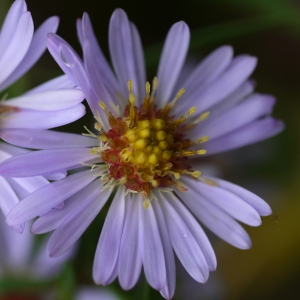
{"type": "Point", "coordinates": [60, 82]}
{"type": "Point", "coordinates": [151, 247]}
{"type": "Point", "coordinates": [52, 219]}
{"type": "Point", "coordinates": [172, 59]}
{"type": "Point", "coordinates": [125, 53]}
{"type": "Point", "coordinates": [10, 23]}
{"type": "Point", "coordinates": [216, 220]}
{"type": "Point", "coordinates": [228, 202]}
{"type": "Point", "coordinates": [36, 49]}
{"type": "Point", "coordinates": [109, 243]}
{"type": "Point", "coordinates": [256, 202]}
{"type": "Point", "coordinates": [168, 290]}
{"type": "Point", "coordinates": [130, 258]}
{"type": "Point", "coordinates": [44, 161]}
{"type": "Point", "coordinates": [17, 47]}
{"type": "Point", "coordinates": [76, 222]}
{"type": "Point", "coordinates": [47, 101]}
{"type": "Point", "coordinates": [254, 107]}
{"type": "Point", "coordinates": [184, 243]}
{"type": "Point", "coordinates": [248, 134]}
{"type": "Point", "coordinates": [46, 139]}
{"type": "Point", "coordinates": [47, 197]}
{"type": "Point", "coordinates": [43, 119]}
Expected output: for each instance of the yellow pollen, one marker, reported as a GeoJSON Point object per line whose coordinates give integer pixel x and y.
{"type": "Point", "coordinates": [144, 133]}
{"type": "Point", "coordinates": [141, 158]}
{"type": "Point", "coordinates": [158, 124]}
{"type": "Point", "coordinates": [147, 88]}
{"type": "Point", "coordinates": [161, 135]}
{"type": "Point", "coordinates": [154, 183]}
{"type": "Point", "coordinates": [131, 135]}
{"type": "Point", "coordinates": [129, 85]}
{"type": "Point", "coordinates": [163, 145]}
{"type": "Point", "coordinates": [201, 151]}
{"type": "Point", "coordinates": [166, 155]}
{"type": "Point", "coordinates": [146, 203]}
{"type": "Point", "coordinates": [131, 99]}
{"type": "Point", "coordinates": [196, 174]}
{"type": "Point", "coordinates": [140, 144]}
{"type": "Point", "coordinates": [192, 110]}
{"type": "Point", "coordinates": [157, 150]}
{"type": "Point", "coordinates": [145, 124]}
{"type": "Point", "coordinates": [203, 139]}
{"type": "Point", "coordinates": [148, 149]}
{"type": "Point", "coordinates": [152, 159]}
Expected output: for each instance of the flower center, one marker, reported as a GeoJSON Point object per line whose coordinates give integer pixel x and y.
{"type": "Point", "coordinates": [148, 147]}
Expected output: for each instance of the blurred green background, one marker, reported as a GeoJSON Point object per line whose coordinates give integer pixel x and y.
{"type": "Point", "coordinates": [268, 29]}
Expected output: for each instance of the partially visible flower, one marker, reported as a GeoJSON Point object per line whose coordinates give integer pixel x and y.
{"type": "Point", "coordinates": [20, 260]}
{"type": "Point", "coordinates": [95, 293]}
{"type": "Point", "coordinates": [147, 147]}
{"type": "Point", "coordinates": [51, 104]}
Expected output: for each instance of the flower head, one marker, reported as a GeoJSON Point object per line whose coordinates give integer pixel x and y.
{"type": "Point", "coordinates": [51, 104]}
{"type": "Point", "coordinates": [148, 148]}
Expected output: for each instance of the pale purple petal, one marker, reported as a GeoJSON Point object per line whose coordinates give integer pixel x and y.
{"type": "Point", "coordinates": [123, 49]}
{"type": "Point", "coordinates": [226, 201]}
{"type": "Point", "coordinates": [24, 186]}
{"type": "Point", "coordinates": [251, 109]}
{"type": "Point", "coordinates": [235, 75]}
{"type": "Point", "coordinates": [56, 176]}
{"type": "Point", "coordinates": [52, 219]}
{"type": "Point", "coordinates": [256, 202]}
{"type": "Point", "coordinates": [197, 232]}
{"type": "Point", "coordinates": [168, 290]}
{"type": "Point", "coordinates": [130, 258]}
{"type": "Point", "coordinates": [17, 47]}
{"type": "Point", "coordinates": [10, 23]}
{"type": "Point", "coordinates": [61, 82]}
{"type": "Point", "coordinates": [47, 197]}
{"type": "Point", "coordinates": [109, 242]}
{"type": "Point", "coordinates": [45, 161]}
{"type": "Point", "coordinates": [216, 220]}
{"type": "Point", "coordinates": [184, 243]}
{"type": "Point", "coordinates": [43, 119]}
{"type": "Point", "coordinates": [7, 151]}
{"type": "Point", "coordinates": [171, 61]}
{"type": "Point", "coordinates": [47, 101]}
{"type": "Point", "coordinates": [248, 134]}
{"type": "Point", "coordinates": [36, 49]}
{"type": "Point", "coordinates": [46, 139]}
{"type": "Point", "coordinates": [76, 222]}
{"type": "Point", "coordinates": [151, 247]}
{"type": "Point", "coordinates": [8, 198]}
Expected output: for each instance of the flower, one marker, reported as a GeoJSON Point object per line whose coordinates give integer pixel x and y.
{"type": "Point", "coordinates": [29, 265]}
{"type": "Point", "coordinates": [51, 104]}
{"type": "Point", "coordinates": [148, 148]}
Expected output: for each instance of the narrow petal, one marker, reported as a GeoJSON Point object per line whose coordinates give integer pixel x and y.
{"type": "Point", "coordinates": [184, 243]}
{"type": "Point", "coordinates": [236, 74]}
{"type": "Point", "coordinates": [254, 107]}
{"type": "Point", "coordinates": [10, 23]}
{"type": "Point", "coordinates": [56, 176]}
{"type": "Point", "coordinates": [17, 47]}
{"type": "Point", "coordinates": [130, 258]}
{"type": "Point", "coordinates": [47, 197]}
{"type": "Point", "coordinates": [44, 161]}
{"type": "Point", "coordinates": [48, 101]}
{"type": "Point", "coordinates": [46, 139]}
{"type": "Point", "coordinates": [76, 223]}
{"type": "Point", "coordinates": [24, 186]}
{"type": "Point", "coordinates": [151, 247]}
{"type": "Point", "coordinates": [109, 242]}
{"type": "Point", "coordinates": [168, 290]}
{"type": "Point", "coordinates": [248, 134]}
{"type": "Point", "coordinates": [60, 82]}
{"type": "Point", "coordinates": [36, 49]}
{"type": "Point", "coordinates": [8, 198]}
{"type": "Point", "coordinates": [256, 202]}
{"type": "Point", "coordinates": [43, 119]}
{"type": "Point", "coordinates": [197, 232]}
{"type": "Point", "coordinates": [171, 61]}
{"type": "Point", "coordinates": [228, 202]}
{"type": "Point", "coordinates": [216, 220]}
{"type": "Point", "coordinates": [52, 219]}
{"type": "Point", "coordinates": [123, 49]}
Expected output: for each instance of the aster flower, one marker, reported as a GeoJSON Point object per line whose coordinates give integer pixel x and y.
{"type": "Point", "coordinates": [148, 148]}
{"type": "Point", "coordinates": [51, 104]}
{"type": "Point", "coordinates": [32, 263]}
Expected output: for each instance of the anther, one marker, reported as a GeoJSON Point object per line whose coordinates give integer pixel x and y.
{"type": "Point", "coordinates": [129, 85]}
